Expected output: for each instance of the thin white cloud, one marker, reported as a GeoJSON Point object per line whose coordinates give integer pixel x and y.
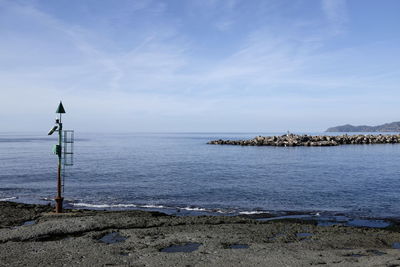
{"type": "Point", "coordinates": [336, 13]}
{"type": "Point", "coordinates": [160, 80]}
{"type": "Point", "coordinates": [224, 24]}
{"type": "Point", "coordinates": [146, 63]}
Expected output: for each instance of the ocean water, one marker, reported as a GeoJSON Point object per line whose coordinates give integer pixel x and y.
{"type": "Point", "coordinates": [179, 172]}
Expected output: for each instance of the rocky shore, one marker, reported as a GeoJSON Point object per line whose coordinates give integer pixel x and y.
{"type": "Point", "coordinates": [308, 140]}
{"type": "Point", "coordinates": [32, 235]}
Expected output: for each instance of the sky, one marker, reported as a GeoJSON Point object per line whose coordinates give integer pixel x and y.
{"type": "Point", "coordinates": [199, 65]}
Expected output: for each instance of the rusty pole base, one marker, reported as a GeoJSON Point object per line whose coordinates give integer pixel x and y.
{"type": "Point", "coordinates": [59, 204]}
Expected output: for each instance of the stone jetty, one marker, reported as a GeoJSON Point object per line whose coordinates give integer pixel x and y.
{"type": "Point", "coordinates": [309, 140]}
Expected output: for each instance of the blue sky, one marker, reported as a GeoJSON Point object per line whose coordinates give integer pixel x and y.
{"type": "Point", "coordinates": [199, 65]}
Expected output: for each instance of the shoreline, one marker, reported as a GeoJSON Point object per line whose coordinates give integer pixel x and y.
{"type": "Point", "coordinates": [34, 235]}
{"type": "Point", "coordinates": [322, 216]}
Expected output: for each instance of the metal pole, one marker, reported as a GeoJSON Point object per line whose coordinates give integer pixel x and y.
{"type": "Point", "coordinates": [59, 199]}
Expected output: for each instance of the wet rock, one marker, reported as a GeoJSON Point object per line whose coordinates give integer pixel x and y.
{"type": "Point", "coordinates": [16, 214]}
{"type": "Point", "coordinates": [303, 235]}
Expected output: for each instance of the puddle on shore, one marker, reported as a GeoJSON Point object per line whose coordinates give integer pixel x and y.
{"type": "Point", "coordinates": [238, 246]}
{"type": "Point", "coordinates": [277, 236]}
{"type": "Point", "coordinates": [368, 223]}
{"type": "Point", "coordinates": [304, 217]}
{"type": "Point", "coordinates": [334, 220]}
{"type": "Point", "coordinates": [29, 223]}
{"type": "Point", "coordinates": [112, 238]}
{"type": "Point", "coordinates": [328, 223]}
{"type": "Point", "coordinates": [355, 255]}
{"type": "Point", "coordinates": [303, 235]}
{"type": "Point", "coordinates": [376, 252]}
{"type": "Point", "coordinates": [189, 247]}
{"type": "Point", "coordinates": [396, 245]}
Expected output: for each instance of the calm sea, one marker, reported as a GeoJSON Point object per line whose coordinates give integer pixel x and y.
{"type": "Point", "coordinates": [180, 172]}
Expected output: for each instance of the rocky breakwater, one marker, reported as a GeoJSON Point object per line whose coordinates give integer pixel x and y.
{"type": "Point", "coordinates": [308, 140]}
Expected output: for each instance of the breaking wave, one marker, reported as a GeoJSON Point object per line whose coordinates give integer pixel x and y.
{"type": "Point", "coordinates": [8, 198]}
{"type": "Point", "coordinates": [165, 207]}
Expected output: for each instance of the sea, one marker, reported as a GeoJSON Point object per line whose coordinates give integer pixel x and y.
{"type": "Point", "coordinates": [179, 173]}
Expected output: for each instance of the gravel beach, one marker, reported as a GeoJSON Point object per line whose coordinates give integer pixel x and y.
{"type": "Point", "coordinates": [32, 235]}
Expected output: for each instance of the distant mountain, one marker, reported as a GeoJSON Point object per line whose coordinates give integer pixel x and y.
{"type": "Point", "coordinates": [387, 127]}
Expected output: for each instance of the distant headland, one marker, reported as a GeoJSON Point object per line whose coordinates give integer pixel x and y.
{"type": "Point", "coordinates": [387, 127]}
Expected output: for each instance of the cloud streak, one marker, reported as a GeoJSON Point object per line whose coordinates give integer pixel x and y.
{"type": "Point", "coordinates": [159, 68]}
{"type": "Point", "coordinates": [336, 13]}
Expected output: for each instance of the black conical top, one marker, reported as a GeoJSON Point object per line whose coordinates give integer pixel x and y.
{"type": "Point", "coordinates": [60, 108]}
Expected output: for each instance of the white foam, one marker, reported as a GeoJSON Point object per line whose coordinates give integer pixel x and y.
{"type": "Point", "coordinates": [124, 206]}
{"type": "Point", "coordinates": [252, 212]}
{"type": "Point", "coordinates": [7, 198]}
{"type": "Point", "coordinates": [146, 206]}
{"type": "Point", "coordinates": [152, 206]}
{"type": "Point", "coordinates": [221, 211]}
{"type": "Point", "coordinates": [104, 206]}
{"type": "Point", "coordinates": [194, 209]}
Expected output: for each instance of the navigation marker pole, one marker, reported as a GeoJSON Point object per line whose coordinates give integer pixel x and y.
{"type": "Point", "coordinates": [64, 151]}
